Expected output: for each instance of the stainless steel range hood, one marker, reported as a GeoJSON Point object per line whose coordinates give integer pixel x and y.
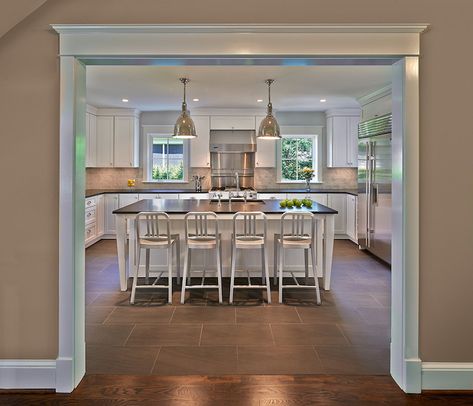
{"type": "Point", "coordinates": [232, 141]}
{"type": "Point", "coordinates": [232, 152]}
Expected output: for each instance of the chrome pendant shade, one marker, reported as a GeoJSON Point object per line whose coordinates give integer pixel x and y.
{"type": "Point", "coordinates": [184, 127]}
{"type": "Point", "coordinates": [269, 127]}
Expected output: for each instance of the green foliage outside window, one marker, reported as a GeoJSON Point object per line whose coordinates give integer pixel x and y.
{"type": "Point", "coordinates": [173, 172]}
{"type": "Point", "coordinates": [296, 154]}
{"type": "Point", "coordinates": [167, 159]}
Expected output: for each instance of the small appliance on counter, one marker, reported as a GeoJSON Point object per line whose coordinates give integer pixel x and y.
{"type": "Point", "coordinates": [198, 182]}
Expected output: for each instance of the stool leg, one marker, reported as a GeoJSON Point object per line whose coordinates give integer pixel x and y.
{"type": "Point", "coordinates": [189, 253]}
{"type": "Point", "coordinates": [263, 266]}
{"type": "Point", "coordinates": [184, 276]}
{"type": "Point", "coordinates": [232, 278]}
{"type": "Point", "coordinates": [219, 270]}
{"type": "Point", "coordinates": [306, 265]}
{"type": "Point", "coordinates": [170, 275]}
{"type": "Point", "coordinates": [316, 280]}
{"type": "Point", "coordinates": [281, 262]}
{"type": "Point", "coordinates": [275, 264]}
{"type": "Point", "coordinates": [135, 277]}
{"type": "Point", "coordinates": [147, 267]}
{"type": "Point", "coordinates": [178, 260]}
{"type": "Point", "coordinates": [266, 272]}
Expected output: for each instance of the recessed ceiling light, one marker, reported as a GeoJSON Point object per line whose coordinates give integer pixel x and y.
{"type": "Point", "coordinates": [195, 99]}
{"type": "Point", "coordinates": [259, 101]}
{"type": "Point", "coordinates": [323, 100]}
{"type": "Point", "coordinates": [125, 100]}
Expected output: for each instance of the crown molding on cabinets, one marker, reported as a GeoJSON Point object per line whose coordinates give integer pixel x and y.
{"type": "Point", "coordinates": [373, 96]}
{"type": "Point", "coordinates": [355, 112]}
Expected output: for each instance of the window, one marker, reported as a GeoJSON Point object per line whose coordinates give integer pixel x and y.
{"type": "Point", "coordinates": [165, 159]}
{"type": "Point", "coordinates": [297, 152]}
{"type": "Point", "coordinates": [167, 162]}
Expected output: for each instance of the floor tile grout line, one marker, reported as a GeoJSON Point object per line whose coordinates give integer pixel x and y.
{"type": "Point", "coordinates": [201, 331]}
{"type": "Point", "coordinates": [272, 334]}
{"type": "Point", "coordinates": [129, 335]}
{"type": "Point", "coordinates": [172, 315]}
{"type": "Point", "coordinates": [343, 333]}
{"type": "Point", "coordinates": [106, 318]}
{"type": "Point", "coordinates": [155, 361]}
{"type": "Point", "coordinates": [298, 315]}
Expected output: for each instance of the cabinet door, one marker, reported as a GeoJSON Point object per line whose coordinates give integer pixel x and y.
{"type": "Point", "coordinates": [127, 198]}
{"type": "Point", "coordinates": [351, 217]}
{"type": "Point", "coordinates": [194, 196]}
{"type": "Point", "coordinates": [272, 196]}
{"type": "Point", "coordinates": [199, 148]}
{"type": "Point", "coordinates": [104, 141]}
{"type": "Point", "coordinates": [124, 142]}
{"type": "Point", "coordinates": [232, 122]}
{"type": "Point", "coordinates": [338, 201]}
{"type": "Point", "coordinates": [265, 156]}
{"type": "Point", "coordinates": [142, 196]}
{"type": "Point", "coordinates": [91, 140]}
{"type": "Point", "coordinates": [320, 198]}
{"type": "Point", "coordinates": [352, 140]}
{"type": "Point", "coordinates": [110, 204]}
{"type": "Point", "coordinates": [100, 217]}
{"type": "Point", "coordinates": [337, 148]}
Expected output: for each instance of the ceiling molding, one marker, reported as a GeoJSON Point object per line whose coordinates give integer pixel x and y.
{"type": "Point", "coordinates": [373, 96]}
{"type": "Point", "coordinates": [237, 28]}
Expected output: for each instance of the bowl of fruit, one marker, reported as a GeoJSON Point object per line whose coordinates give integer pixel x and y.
{"type": "Point", "coordinates": [295, 203]}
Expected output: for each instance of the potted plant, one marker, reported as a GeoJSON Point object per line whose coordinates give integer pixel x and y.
{"type": "Point", "coordinates": [307, 174]}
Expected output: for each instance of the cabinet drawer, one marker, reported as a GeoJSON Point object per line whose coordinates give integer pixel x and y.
{"type": "Point", "coordinates": [89, 202]}
{"type": "Point", "coordinates": [272, 196]}
{"type": "Point", "coordinates": [193, 196]}
{"type": "Point", "coordinates": [90, 232]}
{"type": "Point", "coordinates": [90, 215]}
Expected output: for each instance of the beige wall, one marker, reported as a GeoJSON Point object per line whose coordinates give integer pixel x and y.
{"type": "Point", "coordinates": [29, 154]}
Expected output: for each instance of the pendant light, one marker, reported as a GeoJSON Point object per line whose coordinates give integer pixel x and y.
{"type": "Point", "coordinates": [184, 127]}
{"type": "Point", "coordinates": [269, 127]}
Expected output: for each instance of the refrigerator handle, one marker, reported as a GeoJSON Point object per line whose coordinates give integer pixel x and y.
{"type": "Point", "coordinates": [368, 193]}
{"type": "Point", "coordinates": [375, 193]}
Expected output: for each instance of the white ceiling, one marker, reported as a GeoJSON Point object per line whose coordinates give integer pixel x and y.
{"type": "Point", "coordinates": [150, 88]}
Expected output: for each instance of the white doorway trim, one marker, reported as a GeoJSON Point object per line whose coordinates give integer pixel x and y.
{"type": "Point", "coordinates": [138, 44]}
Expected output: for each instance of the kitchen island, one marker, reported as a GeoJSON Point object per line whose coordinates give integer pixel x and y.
{"type": "Point", "coordinates": [176, 209]}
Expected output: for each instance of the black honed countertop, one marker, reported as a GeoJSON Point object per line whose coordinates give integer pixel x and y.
{"type": "Point", "coordinates": [95, 192]}
{"type": "Point", "coordinates": [178, 206]}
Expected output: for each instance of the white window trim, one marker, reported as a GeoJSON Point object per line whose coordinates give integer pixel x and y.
{"type": "Point", "coordinates": [161, 131]}
{"type": "Point", "coordinates": [302, 132]}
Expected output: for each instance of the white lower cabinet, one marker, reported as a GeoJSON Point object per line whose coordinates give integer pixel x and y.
{"type": "Point", "coordinates": [94, 219]}
{"type": "Point", "coordinates": [272, 196]}
{"type": "Point", "coordinates": [352, 218]}
{"type": "Point", "coordinates": [193, 196]}
{"type": "Point", "coordinates": [100, 201]}
{"type": "Point", "coordinates": [338, 201]}
{"type": "Point", "coordinates": [110, 204]}
{"type": "Point", "coordinates": [125, 199]}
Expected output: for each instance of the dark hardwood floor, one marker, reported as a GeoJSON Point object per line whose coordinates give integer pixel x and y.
{"type": "Point", "coordinates": [348, 334]}
{"type": "Point", "coordinates": [244, 390]}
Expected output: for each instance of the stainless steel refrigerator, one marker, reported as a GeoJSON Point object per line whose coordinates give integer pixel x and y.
{"type": "Point", "coordinates": [374, 186]}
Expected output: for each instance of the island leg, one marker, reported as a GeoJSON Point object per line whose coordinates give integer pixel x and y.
{"type": "Point", "coordinates": [120, 222]}
{"type": "Point", "coordinates": [328, 249]}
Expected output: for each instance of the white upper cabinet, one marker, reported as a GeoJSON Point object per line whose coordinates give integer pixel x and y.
{"type": "Point", "coordinates": [199, 147]}
{"type": "Point", "coordinates": [232, 122]}
{"type": "Point", "coordinates": [126, 142]}
{"type": "Point", "coordinates": [91, 140]}
{"type": "Point", "coordinates": [104, 157]}
{"type": "Point", "coordinates": [265, 156]}
{"type": "Point", "coordinates": [342, 138]}
{"type": "Point", "coordinates": [113, 139]}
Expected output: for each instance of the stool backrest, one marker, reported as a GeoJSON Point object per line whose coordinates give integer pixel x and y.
{"type": "Point", "coordinates": [246, 224]}
{"type": "Point", "coordinates": [153, 225]}
{"type": "Point", "coordinates": [201, 225]}
{"type": "Point", "coordinates": [294, 225]}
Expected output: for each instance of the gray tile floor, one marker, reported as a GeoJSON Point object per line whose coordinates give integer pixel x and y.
{"type": "Point", "coordinates": [348, 334]}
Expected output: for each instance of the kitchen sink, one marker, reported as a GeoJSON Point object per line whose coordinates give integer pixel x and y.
{"type": "Point", "coordinates": [259, 201]}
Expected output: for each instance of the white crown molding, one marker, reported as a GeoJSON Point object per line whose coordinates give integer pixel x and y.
{"type": "Point", "coordinates": [343, 112]}
{"type": "Point", "coordinates": [27, 374]}
{"type": "Point", "coordinates": [373, 96]}
{"type": "Point", "coordinates": [447, 375]}
{"type": "Point", "coordinates": [236, 28]}
{"type": "Point", "coordinates": [117, 112]}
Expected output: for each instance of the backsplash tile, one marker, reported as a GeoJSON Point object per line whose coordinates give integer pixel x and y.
{"type": "Point", "coordinates": [265, 178]}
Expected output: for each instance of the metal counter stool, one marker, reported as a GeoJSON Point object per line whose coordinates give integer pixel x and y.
{"type": "Point", "coordinates": [156, 234]}
{"type": "Point", "coordinates": [247, 237]}
{"type": "Point", "coordinates": [201, 230]}
{"type": "Point", "coordinates": [295, 237]}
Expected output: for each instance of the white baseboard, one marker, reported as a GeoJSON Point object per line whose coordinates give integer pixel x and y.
{"type": "Point", "coordinates": [447, 375]}
{"type": "Point", "coordinates": [27, 374]}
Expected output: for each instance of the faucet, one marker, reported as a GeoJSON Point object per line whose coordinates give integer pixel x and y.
{"type": "Point", "coordinates": [237, 181]}
{"type": "Point", "coordinates": [219, 196]}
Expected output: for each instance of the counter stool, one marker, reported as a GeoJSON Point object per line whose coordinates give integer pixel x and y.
{"type": "Point", "coordinates": [153, 231]}
{"type": "Point", "coordinates": [293, 236]}
{"type": "Point", "coordinates": [201, 231]}
{"type": "Point", "coordinates": [245, 236]}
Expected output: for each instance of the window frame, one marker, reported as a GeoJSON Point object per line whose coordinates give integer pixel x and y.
{"type": "Point", "coordinates": [314, 133]}
{"type": "Point", "coordinates": [161, 131]}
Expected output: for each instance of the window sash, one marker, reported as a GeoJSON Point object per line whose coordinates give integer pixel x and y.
{"type": "Point", "coordinates": [316, 164]}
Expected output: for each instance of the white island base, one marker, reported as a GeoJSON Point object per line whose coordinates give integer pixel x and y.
{"type": "Point", "coordinates": [247, 260]}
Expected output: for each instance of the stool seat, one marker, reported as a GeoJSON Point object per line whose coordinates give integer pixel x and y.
{"type": "Point", "coordinates": [150, 242]}
{"type": "Point", "coordinates": [203, 242]}
{"type": "Point", "coordinates": [249, 241]}
{"type": "Point", "coordinates": [296, 241]}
